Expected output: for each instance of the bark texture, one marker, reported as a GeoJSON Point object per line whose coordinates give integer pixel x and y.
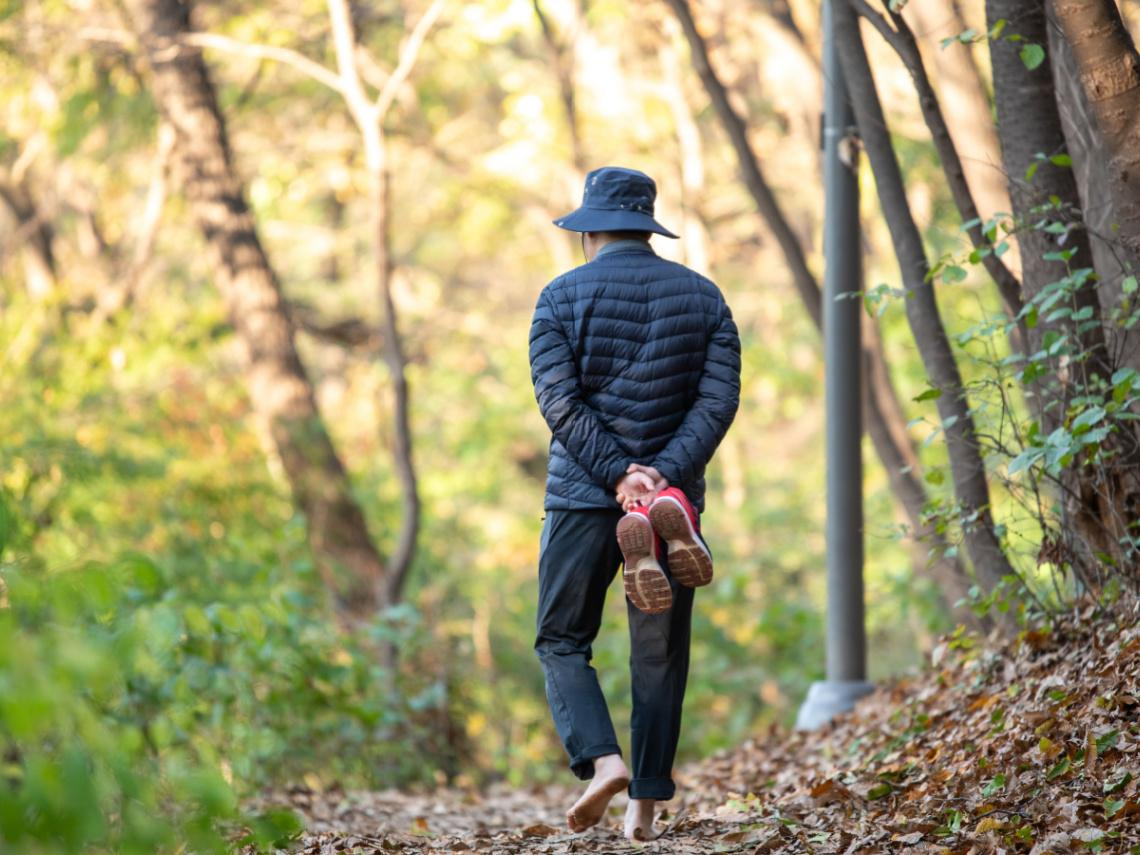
{"type": "Point", "coordinates": [883, 414]}
{"type": "Point", "coordinates": [1110, 75]}
{"type": "Point", "coordinates": [1093, 172]}
{"type": "Point", "coordinates": [966, 466]}
{"type": "Point", "coordinates": [1029, 125]}
{"type": "Point", "coordinates": [279, 388]}
{"type": "Point", "coordinates": [1096, 501]}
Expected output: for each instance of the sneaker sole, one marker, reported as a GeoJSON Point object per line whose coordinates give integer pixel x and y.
{"type": "Point", "coordinates": [689, 560]}
{"type": "Point", "coordinates": [646, 584]}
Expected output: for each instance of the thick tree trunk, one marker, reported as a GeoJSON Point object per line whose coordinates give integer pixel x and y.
{"type": "Point", "coordinates": [886, 423]}
{"type": "Point", "coordinates": [1092, 169]}
{"type": "Point", "coordinates": [1029, 124]}
{"type": "Point", "coordinates": [1110, 74]}
{"type": "Point", "coordinates": [922, 313]}
{"type": "Point", "coordinates": [280, 391]}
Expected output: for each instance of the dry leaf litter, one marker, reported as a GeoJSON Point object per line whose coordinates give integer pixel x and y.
{"type": "Point", "coordinates": [1030, 747]}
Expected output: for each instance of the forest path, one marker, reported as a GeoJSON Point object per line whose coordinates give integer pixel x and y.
{"type": "Point", "coordinates": [1032, 746]}
{"type": "Point", "coordinates": [503, 820]}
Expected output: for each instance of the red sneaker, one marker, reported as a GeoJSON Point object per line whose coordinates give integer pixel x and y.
{"type": "Point", "coordinates": [646, 584]}
{"type": "Point", "coordinates": [675, 521]}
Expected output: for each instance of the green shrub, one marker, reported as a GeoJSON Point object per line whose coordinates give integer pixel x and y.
{"type": "Point", "coordinates": [134, 715]}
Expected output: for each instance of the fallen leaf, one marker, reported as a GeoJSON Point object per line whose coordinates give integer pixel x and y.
{"type": "Point", "coordinates": [988, 824]}
{"type": "Point", "coordinates": [829, 791]}
{"type": "Point", "coordinates": [539, 829]}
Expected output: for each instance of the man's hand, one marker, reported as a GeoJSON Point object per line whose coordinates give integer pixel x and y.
{"type": "Point", "coordinates": [659, 481]}
{"type": "Point", "coordinates": [635, 489]}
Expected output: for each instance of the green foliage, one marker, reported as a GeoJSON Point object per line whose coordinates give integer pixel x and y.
{"type": "Point", "coordinates": [97, 722]}
{"type": "Point", "coordinates": [1051, 379]}
{"type": "Point", "coordinates": [135, 709]}
{"type": "Point", "coordinates": [165, 646]}
{"type": "Point", "coordinates": [1032, 55]}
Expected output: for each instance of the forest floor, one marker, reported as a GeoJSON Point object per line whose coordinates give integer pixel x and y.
{"type": "Point", "coordinates": [1031, 746]}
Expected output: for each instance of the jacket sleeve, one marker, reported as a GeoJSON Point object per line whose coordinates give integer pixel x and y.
{"type": "Point", "coordinates": [718, 396]}
{"type": "Point", "coordinates": [574, 423]}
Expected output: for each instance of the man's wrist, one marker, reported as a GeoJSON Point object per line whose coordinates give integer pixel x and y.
{"type": "Point", "coordinates": [667, 472]}
{"type": "Point", "coordinates": [617, 472]}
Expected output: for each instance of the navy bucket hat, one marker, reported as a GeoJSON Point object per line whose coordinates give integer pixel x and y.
{"type": "Point", "coordinates": [616, 200]}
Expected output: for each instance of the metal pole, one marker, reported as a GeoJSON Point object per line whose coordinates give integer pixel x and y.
{"type": "Point", "coordinates": [846, 633]}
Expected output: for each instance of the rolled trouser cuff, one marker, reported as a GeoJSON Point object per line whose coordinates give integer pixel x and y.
{"type": "Point", "coordinates": [658, 789]}
{"type": "Point", "coordinates": [582, 765]}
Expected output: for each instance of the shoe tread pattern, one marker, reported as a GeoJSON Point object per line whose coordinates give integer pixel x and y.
{"type": "Point", "coordinates": [688, 560]}
{"type": "Point", "coordinates": [646, 584]}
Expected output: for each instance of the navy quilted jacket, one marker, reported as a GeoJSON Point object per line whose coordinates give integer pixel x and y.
{"type": "Point", "coordinates": [634, 359]}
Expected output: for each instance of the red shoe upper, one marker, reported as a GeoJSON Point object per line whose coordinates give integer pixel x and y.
{"type": "Point", "coordinates": [683, 500]}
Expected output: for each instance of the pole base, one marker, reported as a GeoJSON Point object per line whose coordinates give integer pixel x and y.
{"type": "Point", "coordinates": [827, 699]}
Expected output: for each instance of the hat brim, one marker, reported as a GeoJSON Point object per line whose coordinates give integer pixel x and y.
{"type": "Point", "coordinates": [600, 220]}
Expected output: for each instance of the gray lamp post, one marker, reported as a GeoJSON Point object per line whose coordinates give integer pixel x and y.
{"type": "Point", "coordinates": [846, 635]}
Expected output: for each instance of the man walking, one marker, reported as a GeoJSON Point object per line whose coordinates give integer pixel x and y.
{"type": "Point", "coordinates": [636, 367]}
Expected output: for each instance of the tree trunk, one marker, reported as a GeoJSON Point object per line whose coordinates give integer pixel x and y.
{"type": "Point", "coordinates": [885, 420]}
{"type": "Point", "coordinates": [694, 233]}
{"type": "Point", "coordinates": [562, 58]}
{"type": "Point", "coordinates": [279, 387]}
{"type": "Point", "coordinates": [1092, 169]}
{"type": "Point", "coordinates": [922, 313]}
{"type": "Point", "coordinates": [1110, 75]}
{"type": "Point", "coordinates": [401, 560]}
{"type": "Point", "coordinates": [369, 117]}
{"type": "Point", "coordinates": [905, 45]}
{"type": "Point", "coordinates": [1029, 123]}
{"type": "Point", "coordinates": [37, 236]}
{"type": "Point", "coordinates": [962, 90]}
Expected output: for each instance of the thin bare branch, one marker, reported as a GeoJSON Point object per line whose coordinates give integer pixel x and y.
{"type": "Point", "coordinates": [408, 54]}
{"type": "Point", "coordinates": [371, 71]}
{"type": "Point", "coordinates": [224, 44]}
{"type": "Point", "coordinates": [901, 39]}
{"type": "Point", "coordinates": [344, 43]}
{"type": "Point", "coordinates": [286, 56]}
{"type": "Point", "coordinates": [562, 57]}
{"type": "Point", "coordinates": [117, 296]}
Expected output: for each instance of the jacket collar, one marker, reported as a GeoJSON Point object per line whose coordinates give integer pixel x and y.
{"type": "Point", "coordinates": [630, 245]}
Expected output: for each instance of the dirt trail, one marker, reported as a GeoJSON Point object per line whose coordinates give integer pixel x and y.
{"type": "Point", "coordinates": [1033, 747]}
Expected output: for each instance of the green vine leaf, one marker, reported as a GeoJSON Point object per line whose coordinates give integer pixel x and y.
{"type": "Point", "coordinates": [1032, 56]}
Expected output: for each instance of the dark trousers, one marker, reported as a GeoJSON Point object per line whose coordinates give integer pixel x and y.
{"type": "Point", "coordinates": [578, 560]}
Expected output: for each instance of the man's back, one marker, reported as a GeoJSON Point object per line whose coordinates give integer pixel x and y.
{"type": "Point", "coordinates": [635, 342]}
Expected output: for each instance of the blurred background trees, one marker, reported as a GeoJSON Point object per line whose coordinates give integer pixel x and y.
{"type": "Point", "coordinates": [260, 257]}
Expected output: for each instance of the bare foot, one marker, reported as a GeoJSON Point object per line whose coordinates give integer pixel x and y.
{"type": "Point", "coordinates": [639, 820]}
{"type": "Point", "coordinates": [610, 778]}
